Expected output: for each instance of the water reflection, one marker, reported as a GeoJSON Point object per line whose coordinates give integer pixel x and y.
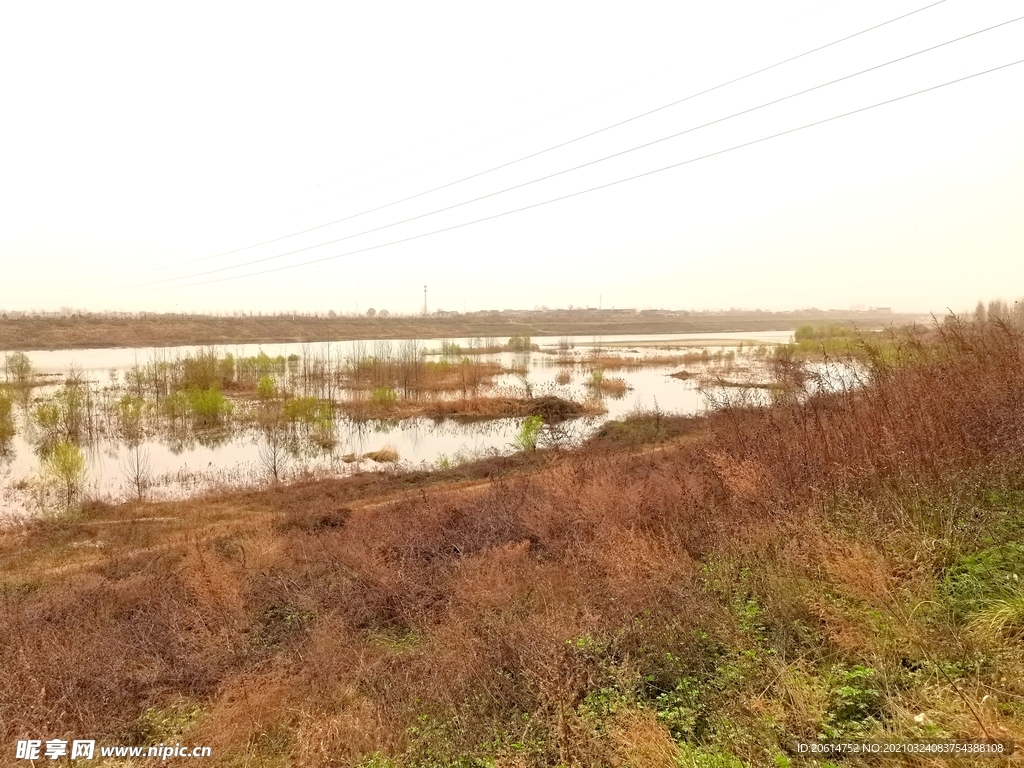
{"type": "Point", "coordinates": [102, 408]}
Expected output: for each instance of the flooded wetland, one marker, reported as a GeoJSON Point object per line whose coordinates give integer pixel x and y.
{"type": "Point", "coordinates": [160, 423]}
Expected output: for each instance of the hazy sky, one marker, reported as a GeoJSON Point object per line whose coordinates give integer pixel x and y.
{"type": "Point", "coordinates": [138, 137]}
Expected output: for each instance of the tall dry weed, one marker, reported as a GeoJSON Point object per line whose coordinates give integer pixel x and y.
{"type": "Point", "coordinates": [429, 624]}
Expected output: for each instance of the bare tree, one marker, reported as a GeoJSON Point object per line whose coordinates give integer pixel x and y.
{"type": "Point", "coordinates": [273, 452]}
{"type": "Point", "coordinates": [137, 472]}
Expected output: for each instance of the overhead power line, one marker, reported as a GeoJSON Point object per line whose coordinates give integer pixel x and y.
{"type": "Point", "coordinates": [588, 163]}
{"type": "Point", "coordinates": [432, 163]}
{"type": "Point", "coordinates": [640, 116]}
{"type": "Point", "coordinates": [421, 167]}
{"type": "Point", "coordinates": [607, 185]}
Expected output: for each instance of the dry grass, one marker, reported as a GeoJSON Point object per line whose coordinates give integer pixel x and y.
{"type": "Point", "coordinates": [421, 375]}
{"type": "Point", "coordinates": [387, 454]}
{"type": "Point", "coordinates": [777, 573]}
{"type": "Point", "coordinates": [96, 331]}
{"type": "Point", "coordinates": [551, 408]}
{"type": "Point", "coordinates": [599, 359]}
{"type": "Point", "coordinates": [602, 385]}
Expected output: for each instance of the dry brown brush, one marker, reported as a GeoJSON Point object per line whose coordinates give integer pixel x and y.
{"type": "Point", "coordinates": [541, 618]}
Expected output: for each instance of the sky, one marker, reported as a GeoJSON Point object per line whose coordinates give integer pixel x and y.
{"type": "Point", "coordinates": [170, 157]}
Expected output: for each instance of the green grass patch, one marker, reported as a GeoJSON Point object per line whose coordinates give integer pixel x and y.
{"type": "Point", "coordinates": [383, 397]}
{"type": "Point", "coordinates": [207, 407]}
{"type": "Point", "coordinates": [979, 579]}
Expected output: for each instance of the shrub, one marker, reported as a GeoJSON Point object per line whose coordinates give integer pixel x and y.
{"type": "Point", "coordinates": [828, 331]}
{"type": "Point", "coordinates": [204, 371]}
{"type": "Point", "coordinates": [529, 433]}
{"type": "Point", "coordinates": [129, 416]}
{"type": "Point", "coordinates": [519, 343]}
{"type": "Point", "coordinates": [227, 369]}
{"type": "Point", "coordinates": [47, 417]}
{"type": "Point", "coordinates": [65, 466]}
{"type": "Point", "coordinates": [18, 368]}
{"type": "Point", "coordinates": [855, 701]}
{"type": "Point", "coordinates": [208, 406]}
{"type": "Point", "coordinates": [383, 397]}
{"type": "Point", "coordinates": [300, 409]}
{"type": "Point", "coordinates": [175, 406]}
{"type": "Point", "coordinates": [251, 369]}
{"type": "Point", "coordinates": [266, 389]}
{"type": "Point", "coordinates": [64, 416]}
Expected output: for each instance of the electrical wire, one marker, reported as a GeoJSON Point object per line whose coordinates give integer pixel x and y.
{"type": "Point", "coordinates": [543, 151]}
{"type": "Point", "coordinates": [607, 185]}
{"type": "Point", "coordinates": [591, 162]}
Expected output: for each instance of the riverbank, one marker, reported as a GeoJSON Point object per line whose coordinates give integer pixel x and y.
{"type": "Point", "coordinates": [197, 417]}
{"type": "Point", "coordinates": [696, 592]}
{"type": "Point", "coordinates": [153, 330]}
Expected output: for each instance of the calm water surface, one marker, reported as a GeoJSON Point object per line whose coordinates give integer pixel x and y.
{"type": "Point", "coordinates": [185, 466]}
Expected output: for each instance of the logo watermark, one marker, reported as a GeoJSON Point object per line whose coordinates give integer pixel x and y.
{"type": "Point", "coordinates": [918, 747]}
{"type": "Point", "coordinates": [86, 749]}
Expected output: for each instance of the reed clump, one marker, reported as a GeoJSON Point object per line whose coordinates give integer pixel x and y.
{"type": "Point", "coordinates": [412, 374]}
{"type": "Point", "coordinates": [602, 385]}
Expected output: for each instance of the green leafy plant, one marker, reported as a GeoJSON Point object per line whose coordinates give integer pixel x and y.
{"type": "Point", "coordinates": [129, 416]}
{"type": "Point", "coordinates": [679, 709]}
{"type": "Point", "coordinates": [158, 725]}
{"type": "Point", "coordinates": [300, 409]}
{"type": "Point", "coordinates": [519, 343]}
{"type": "Point", "coordinates": [855, 701]}
{"type": "Point", "coordinates": [266, 389]}
{"type": "Point", "coordinates": [65, 466]}
{"type": "Point", "coordinates": [529, 433]}
{"type": "Point", "coordinates": [383, 397]}
{"type": "Point", "coordinates": [450, 349]}
{"type": "Point", "coordinates": [208, 406]}
{"type": "Point", "coordinates": [18, 368]}
{"type": "Point", "coordinates": [992, 574]}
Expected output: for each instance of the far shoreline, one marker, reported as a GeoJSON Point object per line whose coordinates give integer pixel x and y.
{"type": "Point", "coordinates": [95, 331]}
